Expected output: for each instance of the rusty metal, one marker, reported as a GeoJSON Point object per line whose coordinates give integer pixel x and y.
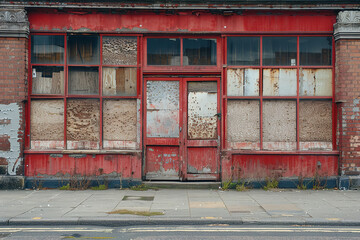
{"type": "Point", "coordinates": [243, 82]}
{"type": "Point", "coordinates": [315, 82]}
{"type": "Point", "coordinates": [279, 82]}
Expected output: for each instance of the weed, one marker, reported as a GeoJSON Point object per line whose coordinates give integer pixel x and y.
{"type": "Point", "coordinates": [65, 187]}
{"type": "Point", "coordinates": [301, 183]}
{"type": "Point", "coordinates": [141, 187]}
{"type": "Point", "coordinates": [140, 213]}
{"type": "Point", "coordinates": [271, 184]}
{"type": "Point", "coordinates": [100, 187]}
{"type": "Point", "coordinates": [228, 185]}
{"type": "Point", "coordinates": [241, 186]}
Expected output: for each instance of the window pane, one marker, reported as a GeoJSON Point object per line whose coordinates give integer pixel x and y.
{"type": "Point", "coordinates": [119, 81]}
{"type": "Point", "coordinates": [315, 51]}
{"type": "Point", "coordinates": [315, 82]}
{"type": "Point", "coordinates": [83, 49]}
{"type": "Point", "coordinates": [243, 51]}
{"type": "Point", "coordinates": [279, 125]}
{"type": "Point", "coordinates": [83, 124]}
{"type": "Point", "coordinates": [279, 51]}
{"type": "Point", "coordinates": [119, 50]}
{"type": "Point", "coordinates": [163, 51]}
{"type": "Point", "coordinates": [48, 80]}
{"type": "Point", "coordinates": [242, 82]}
{"type": "Point", "coordinates": [47, 124]}
{"type": "Point", "coordinates": [47, 49]}
{"type": "Point", "coordinates": [199, 51]}
{"type": "Point", "coordinates": [83, 80]}
{"type": "Point", "coordinates": [279, 82]}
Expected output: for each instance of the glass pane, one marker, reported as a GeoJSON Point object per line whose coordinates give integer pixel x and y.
{"type": "Point", "coordinates": [315, 51]}
{"type": "Point", "coordinates": [243, 124]}
{"type": "Point", "coordinates": [279, 125]}
{"type": "Point", "coordinates": [119, 81]}
{"type": "Point", "coordinates": [202, 110]}
{"type": "Point", "coordinates": [242, 82]}
{"type": "Point", "coordinates": [120, 120]}
{"type": "Point", "coordinates": [162, 103]}
{"type": "Point", "coordinates": [83, 49]}
{"type": "Point", "coordinates": [315, 123]}
{"type": "Point", "coordinates": [48, 80]}
{"type": "Point", "coordinates": [83, 124]}
{"type": "Point", "coordinates": [47, 49]}
{"type": "Point", "coordinates": [47, 124]}
{"type": "Point", "coordinates": [119, 50]}
{"type": "Point", "coordinates": [199, 51]}
{"type": "Point", "coordinates": [163, 51]}
{"type": "Point", "coordinates": [243, 51]}
{"type": "Point", "coordinates": [315, 82]}
{"type": "Point", "coordinates": [279, 82]}
{"type": "Point", "coordinates": [83, 80]}
{"type": "Point", "coordinates": [279, 51]}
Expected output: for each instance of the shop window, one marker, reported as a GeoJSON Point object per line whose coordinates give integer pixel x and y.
{"type": "Point", "coordinates": [47, 49]}
{"type": "Point", "coordinates": [279, 82]}
{"type": "Point", "coordinates": [119, 81]}
{"type": "Point", "coordinates": [243, 51]}
{"type": "Point", "coordinates": [83, 80]}
{"type": "Point", "coordinates": [119, 50]}
{"type": "Point", "coordinates": [83, 49]}
{"type": "Point", "coordinates": [315, 51]}
{"type": "Point", "coordinates": [48, 80]}
{"type": "Point", "coordinates": [199, 51]}
{"type": "Point", "coordinates": [242, 82]}
{"type": "Point", "coordinates": [279, 51]}
{"type": "Point", "coordinates": [163, 51]}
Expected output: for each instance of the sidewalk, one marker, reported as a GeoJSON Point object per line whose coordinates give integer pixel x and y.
{"type": "Point", "coordinates": [180, 206]}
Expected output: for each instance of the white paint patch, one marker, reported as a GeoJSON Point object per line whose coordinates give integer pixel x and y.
{"type": "Point", "coordinates": [12, 112]}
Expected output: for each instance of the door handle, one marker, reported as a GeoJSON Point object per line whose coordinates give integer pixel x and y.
{"type": "Point", "coordinates": [218, 115]}
{"type": "Point", "coordinates": [180, 129]}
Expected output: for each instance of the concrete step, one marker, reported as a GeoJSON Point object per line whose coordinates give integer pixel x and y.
{"type": "Point", "coordinates": [182, 185]}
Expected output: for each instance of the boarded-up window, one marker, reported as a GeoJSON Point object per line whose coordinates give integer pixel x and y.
{"type": "Point", "coordinates": [47, 49]}
{"type": "Point", "coordinates": [243, 82]}
{"type": "Point", "coordinates": [83, 49]}
{"type": "Point", "coordinates": [83, 124]}
{"type": "Point", "coordinates": [119, 50]}
{"type": "Point", "coordinates": [83, 80]}
{"type": "Point", "coordinates": [243, 123]}
{"type": "Point", "coordinates": [315, 123]}
{"type": "Point", "coordinates": [47, 124]}
{"type": "Point", "coordinates": [119, 81]}
{"type": "Point", "coordinates": [279, 82]}
{"type": "Point", "coordinates": [48, 80]}
{"type": "Point", "coordinates": [119, 122]}
{"type": "Point", "coordinates": [279, 124]}
{"type": "Point", "coordinates": [315, 82]}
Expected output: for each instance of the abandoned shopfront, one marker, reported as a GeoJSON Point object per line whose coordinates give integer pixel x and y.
{"type": "Point", "coordinates": [181, 95]}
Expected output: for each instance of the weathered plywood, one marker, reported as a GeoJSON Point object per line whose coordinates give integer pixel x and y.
{"type": "Point", "coordinates": [47, 120]}
{"type": "Point", "coordinates": [279, 121]}
{"type": "Point", "coordinates": [243, 121]}
{"type": "Point", "coordinates": [162, 103]}
{"type": "Point", "coordinates": [315, 121]}
{"type": "Point", "coordinates": [119, 50]}
{"type": "Point", "coordinates": [202, 119]}
{"type": "Point", "coordinates": [279, 82]}
{"type": "Point", "coordinates": [120, 120]}
{"type": "Point", "coordinates": [243, 82]}
{"type": "Point", "coordinates": [83, 81]}
{"type": "Point", "coordinates": [48, 80]}
{"type": "Point", "coordinates": [316, 82]}
{"type": "Point", "coordinates": [83, 120]}
{"type": "Point", "coordinates": [119, 81]}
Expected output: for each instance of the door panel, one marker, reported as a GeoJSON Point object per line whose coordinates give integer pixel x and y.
{"type": "Point", "coordinates": [162, 163]}
{"type": "Point", "coordinates": [201, 160]}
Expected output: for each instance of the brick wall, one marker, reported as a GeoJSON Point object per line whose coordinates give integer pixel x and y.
{"type": "Point", "coordinates": [13, 93]}
{"type": "Point", "coordinates": [348, 101]}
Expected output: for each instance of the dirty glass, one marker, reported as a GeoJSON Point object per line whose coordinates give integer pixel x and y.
{"type": "Point", "coordinates": [119, 50]}
{"type": "Point", "coordinates": [119, 81]}
{"type": "Point", "coordinates": [83, 49]}
{"type": "Point", "coordinates": [279, 82]}
{"type": "Point", "coordinates": [47, 49]}
{"type": "Point", "coordinates": [316, 82]}
{"type": "Point", "coordinates": [199, 51]}
{"type": "Point", "coordinates": [242, 82]}
{"type": "Point", "coordinates": [83, 80]}
{"type": "Point", "coordinates": [315, 51]}
{"type": "Point", "coordinates": [279, 51]}
{"type": "Point", "coordinates": [48, 80]}
{"type": "Point", "coordinates": [163, 51]}
{"type": "Point", "coordinates": [243, 51]}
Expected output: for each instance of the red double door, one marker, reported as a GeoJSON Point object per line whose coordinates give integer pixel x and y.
{"type": "Point", "coordinates": [182, 128]}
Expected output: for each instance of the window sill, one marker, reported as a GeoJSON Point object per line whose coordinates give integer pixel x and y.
{"type": "Point", "coordinates": [121, 152]}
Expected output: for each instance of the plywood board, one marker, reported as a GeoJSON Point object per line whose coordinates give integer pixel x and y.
{"type": "Point", "coordinates": [48, 80]}
{"type": "Point", "coordinates": [119, 81]}
{"type": "Point", "coordinates": [119, 50]}
{"type": "Point", "coordinates": [83, 81]}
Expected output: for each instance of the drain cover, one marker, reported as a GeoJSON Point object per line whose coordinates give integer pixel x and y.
{"type": "Point", "coordinates": [141, 198]}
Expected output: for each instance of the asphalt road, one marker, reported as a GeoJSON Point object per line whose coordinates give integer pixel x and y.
{"type": "Point", "coordinates": [179, 232]}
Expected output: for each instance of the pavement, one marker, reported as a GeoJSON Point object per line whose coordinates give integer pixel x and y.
{"type": "Point", "coordinates": [180, 206]}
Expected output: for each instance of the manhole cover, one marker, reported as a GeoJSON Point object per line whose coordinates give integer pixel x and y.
{"type": "Point", "coordinates": [141, 198]}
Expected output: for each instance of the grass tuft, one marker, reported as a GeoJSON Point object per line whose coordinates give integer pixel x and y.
{"type": "Point", "coordinates": [139, 213]}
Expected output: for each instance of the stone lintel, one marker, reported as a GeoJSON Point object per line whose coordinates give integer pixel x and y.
{"type": "Point", "coordinates": [13, 22]}
{"type": "Point", "coordinates": [347, 25]}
